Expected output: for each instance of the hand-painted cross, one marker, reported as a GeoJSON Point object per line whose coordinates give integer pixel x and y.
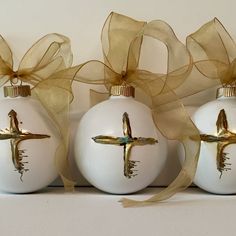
{"type": "Point", "coordinates": [224, 137]}
{"type": "Point", "coordinates": [127, 142]}
{"type": "Point", "coordinates": [16, 136]}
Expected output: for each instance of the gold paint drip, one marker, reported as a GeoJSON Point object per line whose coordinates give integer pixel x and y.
{"type": "Point", "coordinates": [122, 90]}
{"type": "Point", "coordinates": [17, 91]}
{"type": "Point", "coordinates": [226, 92]}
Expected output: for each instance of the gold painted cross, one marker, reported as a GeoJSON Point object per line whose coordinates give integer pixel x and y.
{"type": "Point", "coordinates": [127, 142]}
{"type": "Point", "coordinates": [223, 138]}
{"type": "Point", "coordinates": [16, 136]}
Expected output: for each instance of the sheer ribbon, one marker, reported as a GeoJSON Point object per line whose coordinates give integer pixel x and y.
{"type": "Point", "coordinates": [43, 68]}
{"type": "Point", "coordinates": [122, 40]}
{"type": "Point", "coordinates": [214, 54]}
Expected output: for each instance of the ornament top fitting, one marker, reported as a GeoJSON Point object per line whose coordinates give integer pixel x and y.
{"type": "Point", "coordinates": [229, 91]}
{"type": "Point", "coordinates": [17, 91]}
{"type": "Point", "coordinates": [122, 90]}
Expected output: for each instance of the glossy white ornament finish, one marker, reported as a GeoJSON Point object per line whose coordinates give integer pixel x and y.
{"type": "Point", "coordinates": [207, 176]}
{"type": "Point", "coordinates": [103, 164]}
{"type": "Point", "coordinates": [38, 153]}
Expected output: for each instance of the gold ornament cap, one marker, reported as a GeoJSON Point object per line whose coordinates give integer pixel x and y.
{"type": "Point", "coordinates": [17, 91]}
{"type": "Point", "coordinates": [226, 92]}
{"type": "Point", "coordinates": [122, 90]}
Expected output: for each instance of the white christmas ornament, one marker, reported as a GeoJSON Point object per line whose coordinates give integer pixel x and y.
{"type": "Point", "coordinates": [28, 141]}
{"type": "Point", "coordinates": [216, 121]}
{"type": "Point", "coordinates": [118, 147]}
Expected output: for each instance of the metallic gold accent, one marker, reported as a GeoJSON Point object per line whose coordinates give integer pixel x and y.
{"type": "Point", "coordinates": [128, 142]}
{"type": "Point", "coordinates": [16, 136]}
{"type": "Point", "coordinates": [223, 138]}
{"type": "Point", "coordinates": [122, 90]}
{"type": "Point", "coordinates": [17, 91]}
{"type": "Point", "coordinates": [226, 92]}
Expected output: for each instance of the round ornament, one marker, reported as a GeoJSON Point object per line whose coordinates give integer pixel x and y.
{"type": "Point", "coordinates": [28, 141]}
{"type": "Point", "coordinates": [118, 149]}
{"type": "Point", "coordinates": [216, 121]}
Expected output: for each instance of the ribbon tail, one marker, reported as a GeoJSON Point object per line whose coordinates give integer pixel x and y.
{"type": "Point", "coordinates": [182, 181]}
{"type": "Point", "coordinates": [179, 184]}
{"type": "Point", "coordinates": [62, 165]}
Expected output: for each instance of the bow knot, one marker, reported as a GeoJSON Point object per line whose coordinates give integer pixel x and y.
{"type": "Point", "coordinates": [14, 75]}
{"type": "Point", "coordinates": [123, 75]}
{"type": "Point", "coordinates": [126, 77]}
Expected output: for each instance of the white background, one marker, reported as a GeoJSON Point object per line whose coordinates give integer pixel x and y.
{"type": "Point", "coordinates": [25, 21]}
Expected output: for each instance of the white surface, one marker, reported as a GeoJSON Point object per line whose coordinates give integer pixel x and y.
{"type": "Point", "coordinates": [207, 175]}
{"type": "Point", "coordinates": [23, 22]}
{"type": "Point", "coordinates": [103, 165]}
{"type": "Point", "coordinates": [88, 212]}
{"type": "Point", "coordinates": [39, 154]}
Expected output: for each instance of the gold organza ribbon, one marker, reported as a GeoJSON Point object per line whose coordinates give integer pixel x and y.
{"type": "Point", "coordinates": [214, 54]}
{"type": "Point", "coordinates": [122, 39]}
{"type": "Point", "coordinates": [43, 67]}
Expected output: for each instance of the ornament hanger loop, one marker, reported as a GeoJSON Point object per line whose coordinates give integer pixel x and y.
{"type": "Point", "coordinates": [14, 80]}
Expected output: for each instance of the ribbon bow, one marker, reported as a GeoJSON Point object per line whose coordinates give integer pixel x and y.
{"type": "Point", "coordinates": [43, 68]}
{"type": "Point", "coordinates": [122, 40]}
{"type": "Point", "coordinates": [214, 54]}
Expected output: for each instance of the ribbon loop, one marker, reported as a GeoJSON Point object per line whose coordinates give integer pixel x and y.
{"type": "Point", "coordinates": [214, 54]}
